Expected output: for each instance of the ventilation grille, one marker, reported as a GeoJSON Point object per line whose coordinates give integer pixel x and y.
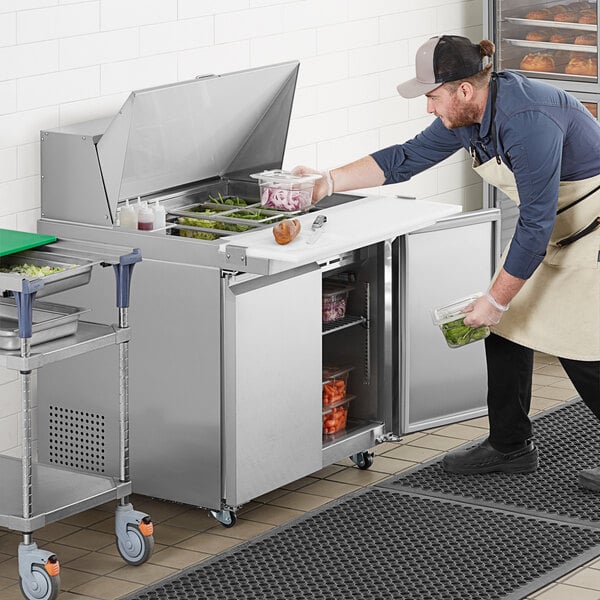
{"type": "Point", "coordinates": [76, 439]}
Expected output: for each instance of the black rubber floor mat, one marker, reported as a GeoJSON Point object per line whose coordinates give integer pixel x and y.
{"type": "Point", "coordinates": [568, 440]}
{"type": "Point", "coordinates": [380, 545]}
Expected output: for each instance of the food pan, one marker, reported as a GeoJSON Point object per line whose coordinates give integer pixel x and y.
{"type": "Point", "coordinates": [283, 190]}
{"type": "Point", "coordinates": [49, 322]}
{"type": "Point", "coordinates": [450, 320]}
{"type": "Point", "coordinates": [75, 271]}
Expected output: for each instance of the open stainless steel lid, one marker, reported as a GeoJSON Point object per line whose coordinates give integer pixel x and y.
{"type": "Point", "coordinates": [165, 137]}
{"type": "Point", "coordinates": [213, 126]}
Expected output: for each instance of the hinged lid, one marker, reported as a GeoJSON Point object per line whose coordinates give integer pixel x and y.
{"type": "Point", "coordinates": [166, 137]}
{"type": "Point", "coordinates": [176, 134]}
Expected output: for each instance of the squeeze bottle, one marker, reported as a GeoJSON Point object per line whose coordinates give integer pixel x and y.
{"type": "Point", "coordinates": [160, 215]}
{"type": "Point", "coordinates": [128, 218]}
{"type": "Point", "coordinates": [145, 218]}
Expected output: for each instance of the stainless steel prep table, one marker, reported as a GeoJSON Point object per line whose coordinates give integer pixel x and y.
{"type": "Point", "coordinates": [230, 344]}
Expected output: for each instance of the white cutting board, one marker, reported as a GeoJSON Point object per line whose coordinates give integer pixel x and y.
{"type": "Point", "coordinates": [349, 226]}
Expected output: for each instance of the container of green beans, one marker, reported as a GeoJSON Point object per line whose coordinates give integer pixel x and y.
{"type": "Point", "coordinates": [450, 319]}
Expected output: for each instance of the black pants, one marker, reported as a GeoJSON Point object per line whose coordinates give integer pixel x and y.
{"type": "Point", "coordinates": [510, 370]}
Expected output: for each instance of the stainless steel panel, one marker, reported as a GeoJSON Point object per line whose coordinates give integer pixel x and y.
{"type": "Point", "coordinates": [71, 180]}
{"type": "Point", "coordinates": [174, 374]}
{"type": "Point", "coordinates": [438, 384]}
{"type": "Point", "coordinates": [272, 377]}
{"type": "Point", "coordinates": [57, 493]}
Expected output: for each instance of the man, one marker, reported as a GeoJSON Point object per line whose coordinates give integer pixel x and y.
{"type": "Point", "coordinates": [541, 147]}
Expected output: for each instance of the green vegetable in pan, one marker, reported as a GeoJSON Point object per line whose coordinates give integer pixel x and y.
{"type": "Point", "coordinates": [459, 334]}
{"type": "Point", "coordinates": [229, 201]}
{"type": "Point", "coordinates": [202, 235]}
{"type": "Point", "coordinates": [32, 270]}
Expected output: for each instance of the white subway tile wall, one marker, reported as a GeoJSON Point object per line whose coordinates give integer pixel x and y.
{"type": "Point", "coordinates": [64, 61]}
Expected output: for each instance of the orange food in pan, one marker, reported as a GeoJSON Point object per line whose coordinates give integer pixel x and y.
{"type": "Point", "coordinates": [335, 420]}
{"type": "Point", "coordinates": [333, 391]}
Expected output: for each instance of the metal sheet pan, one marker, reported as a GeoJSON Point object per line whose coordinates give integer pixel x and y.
{"type": "Point", "coordinates": [552, 24]}
{"type": "Point", "coordinates": [559, 76]}
{"type": "Point", "coordinates": [50, 322]}
{"type": "Point", "coordinates": [551, 46]}
{"type": "Point", "coordinates": [77, 271]}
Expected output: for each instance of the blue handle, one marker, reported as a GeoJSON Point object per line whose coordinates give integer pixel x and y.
{"type": "Point", "coordinates": [24, 301]}
{"type": "Point", "coordinates": [123, 272]}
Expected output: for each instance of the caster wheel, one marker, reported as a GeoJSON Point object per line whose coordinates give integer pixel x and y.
{"type": "Point", "coordinates": [135, 548]}
{"type": "Point", "coordinates": [364, 460]}
{"type": "Point", "coordinates": [41, 586]}
{"type": "Point", "coordinates": [225, 517]}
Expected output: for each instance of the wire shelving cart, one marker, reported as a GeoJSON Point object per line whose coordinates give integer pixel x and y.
{"type": "Point", "coordinates": [34, 494]}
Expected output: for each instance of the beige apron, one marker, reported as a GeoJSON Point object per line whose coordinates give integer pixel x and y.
{"type": "Point", "coordinates": [557, 311]}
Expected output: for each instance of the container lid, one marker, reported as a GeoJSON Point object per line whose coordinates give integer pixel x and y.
{"type": "Point", "coordinates": [332, 372]}
{"type": "Point", "coordinates": [279, 176]}
{"type": "Point", "coordinates": [343, 402]}
{"type": "Point", "coordinates": [331, 288]}
{"type": "Point", "coordinates": [453, 310]}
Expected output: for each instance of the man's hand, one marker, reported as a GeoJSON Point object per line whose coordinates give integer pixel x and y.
{"type": "Point", "coordinates": [323, 186]}
{"type": "Point", "coordinates": [485, 311]}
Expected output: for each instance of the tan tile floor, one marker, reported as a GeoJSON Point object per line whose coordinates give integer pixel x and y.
{"type": "Point", "coordinates": [91, 568]}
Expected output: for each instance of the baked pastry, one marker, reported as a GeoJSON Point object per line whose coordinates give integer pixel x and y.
{"type": "Point", "coordinates": [540, 15]}
{"type": "Point", "coordinates": [538, 61]}
{"type": "Point", "coordinates": [582, 66]}
{"type": "Point", "coordinates": [588, 18]}
{"type": "Point", "coordinates": [561, 37]}
{"type": "Point", "coordinates": [586, 39]}
{"type": "Point", "coordinates": [537, 35]}
{"type": "Point", "coordinates": [557, 8]}
{"type": "Point", "coordinates": [566, 17]}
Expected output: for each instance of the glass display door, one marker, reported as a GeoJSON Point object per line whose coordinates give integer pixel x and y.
{"type": "Point", "coordinates": [548, 40]}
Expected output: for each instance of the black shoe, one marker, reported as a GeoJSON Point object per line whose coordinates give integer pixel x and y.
{"type": "Point", "coordinates": [485, 459]}
{"type": "Point", "coordinates": [590, 479]}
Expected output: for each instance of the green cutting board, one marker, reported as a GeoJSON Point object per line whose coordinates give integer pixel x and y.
{"type": "Point", "coordinates": [14, 241]}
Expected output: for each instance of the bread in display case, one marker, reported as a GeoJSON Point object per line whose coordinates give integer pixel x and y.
{"type": "Point", "coordinates": [549, 39]}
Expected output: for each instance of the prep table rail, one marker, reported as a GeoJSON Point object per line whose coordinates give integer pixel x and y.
{"type": "Point", "coordinates": [52, 492]}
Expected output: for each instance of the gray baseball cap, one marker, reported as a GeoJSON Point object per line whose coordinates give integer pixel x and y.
{"type": "Point", "coordinates": [439, 60]}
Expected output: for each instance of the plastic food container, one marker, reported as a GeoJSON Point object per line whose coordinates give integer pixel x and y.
{"type": "Point", "coordinates": [335, 385]}
{"type": "Point", "coordinates": [281, 190]}
{"type": "Point", "coordinates": [335, 418]}
{"type": "Point", "coordinates": [335, 299]}
{"type": "Point", "coordinates": [449, 319]}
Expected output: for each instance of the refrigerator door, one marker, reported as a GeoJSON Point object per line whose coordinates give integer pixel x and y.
{"type": "Point", "coordinates": [440, 264]}
{"type": "Point", "coordinates": [272, 363]}
{"type": "Point", "coordinates": [547, 40]}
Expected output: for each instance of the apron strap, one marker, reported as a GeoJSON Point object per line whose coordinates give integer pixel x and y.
{"type": "Point", "coordinates": [578, 200]}
{"type": "Point", "coordinates": [494, 92]}
{"type": "Point", "coordinates": [576, 236]}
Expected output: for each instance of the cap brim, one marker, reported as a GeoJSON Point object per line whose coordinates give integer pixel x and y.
{"type": "Point", "coordinates": [413, 88]}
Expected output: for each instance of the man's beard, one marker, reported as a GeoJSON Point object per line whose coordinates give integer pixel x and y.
{"type": "Point", "coordinates": [468, 116]}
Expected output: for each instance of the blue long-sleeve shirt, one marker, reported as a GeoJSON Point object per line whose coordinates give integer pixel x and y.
{"type": "Point", "coordinates": [545, 136]}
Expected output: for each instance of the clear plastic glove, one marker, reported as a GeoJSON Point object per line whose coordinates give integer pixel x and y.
{"type": "Point", "coordinates": [323, 186]}
{"type": "Point", "coordinates": [485, 311]}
